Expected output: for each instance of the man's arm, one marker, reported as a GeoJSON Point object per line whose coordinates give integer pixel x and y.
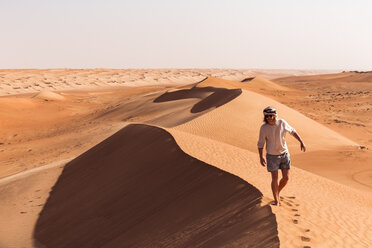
{"type": "Point", "coordinates": [262, 160]}
{"type": "Point", "coordinates": [303, 147]}
{"type": "Point", "coordinates": [260, 144]}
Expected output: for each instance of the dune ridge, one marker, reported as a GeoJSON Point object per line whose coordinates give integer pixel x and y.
{"type": "Point", "coordinates": [237, 122]}
{"type": "Point", "coordinates": [48, 95]}
{"type": "Point", "coordinates": [318, 210]}
{"type": "Point", "coordinates": [195, 204]}
{"type": "Point", "coordinates": [254, 83]}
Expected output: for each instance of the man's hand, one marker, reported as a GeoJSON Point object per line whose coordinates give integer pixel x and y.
{"type": "Point", "coordinates": [303, 147]}
{"type": "Point", "coordinates": [262, 161]}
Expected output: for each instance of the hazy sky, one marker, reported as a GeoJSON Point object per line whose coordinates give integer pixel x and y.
{"type": "Point", "coordinates": [297, 34]}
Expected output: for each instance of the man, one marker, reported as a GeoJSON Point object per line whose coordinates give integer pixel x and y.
{"type": "Point", "coordinates": [273, 133]}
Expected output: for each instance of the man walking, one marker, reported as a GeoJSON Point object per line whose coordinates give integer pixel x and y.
{"type": "Point", "coordinates": [273, 133]}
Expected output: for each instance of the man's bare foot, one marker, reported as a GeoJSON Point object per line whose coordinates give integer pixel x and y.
{"type": "Point", "coordinates": [275, 203]}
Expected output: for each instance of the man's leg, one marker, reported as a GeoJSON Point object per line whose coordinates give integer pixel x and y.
{"type": "Point", "coordinates": [284, 180]}
{"type": "Point", "coordinates": [275, 186]}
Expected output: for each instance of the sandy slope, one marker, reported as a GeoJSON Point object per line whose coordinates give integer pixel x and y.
{"type": "Point", "coordinates": [341, 101]}
{"type": "Point", "coordinates": [35, 132]}
{"type": "Point", "coordinates": [22, 198]}
{"type": "Point", "coordinates": [329, 153]}
{"type": "Point", "coordinates": [237, 123]}
{"type": "Point", "coordinates": [141, 175]}
{"type": "Point", "coordinates": [315, 212]}
{"type": "Point", "coordinates": [151, 195]}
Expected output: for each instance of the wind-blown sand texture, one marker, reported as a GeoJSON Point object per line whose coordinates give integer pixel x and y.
{"type": "Point", "coordinates": [176, 165]}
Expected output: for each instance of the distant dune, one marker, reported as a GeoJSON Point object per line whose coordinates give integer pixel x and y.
{"type": "Point", "coordinates": [48, 96]}
{"type": "Point", "coordinates": [33, 80]}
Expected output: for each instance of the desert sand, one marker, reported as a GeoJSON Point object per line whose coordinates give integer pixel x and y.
{"type": "Point", "coordinates": [34, 80]}
{"type": "Point", "coordinates": [168, 158]}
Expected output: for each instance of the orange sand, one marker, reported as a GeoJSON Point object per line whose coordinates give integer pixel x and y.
{"type": "Point", "coordinates": [76, 171]}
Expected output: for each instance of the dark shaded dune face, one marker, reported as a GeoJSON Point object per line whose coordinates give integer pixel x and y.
{"type": "Point", "coordinates": [247, 79]}
{"type": "Point", "coordinates": [139, 189]}
{"type": "Point", "coordinates": [210, 97]}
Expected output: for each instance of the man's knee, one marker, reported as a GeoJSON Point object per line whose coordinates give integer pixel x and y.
{"type": "Point", "coordinates": [286, 178]}
{"type": "Point", "coordinates": [274, 176]}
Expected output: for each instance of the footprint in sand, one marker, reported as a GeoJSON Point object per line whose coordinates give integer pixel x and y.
{"type": "Point", "coordinates": [290, 202]}
{"type": "Point", "coordinates": [305, 239]}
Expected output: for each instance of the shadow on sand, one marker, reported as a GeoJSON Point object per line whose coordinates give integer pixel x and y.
{"type": "Point", "coordinates": [210, 97]}
{"type": "Point", "coordinates": [247, 79]}
{"type": "Point", "coordinates": [139, 189]}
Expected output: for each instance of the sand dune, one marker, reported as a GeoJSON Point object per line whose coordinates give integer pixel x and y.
{"type": "Point", "coordinates": [48, 95]}
{"type": "Point", "coordinates": [351, 76]}
{"type": "Point", "coordinates": [173, 107]}
{"type": "Point", "coordinates": [68, 127]}
{"type": "Point", "coordinates": [254, 83]}
{"type": "Point", "coordinates": [315, 211]}
{"type": "Point", "coordinates": [237, 123]}
{"type": "Point", "coordinates": [342, 102]}
{"type": "Point", "coordinates": [165, 181]}
{"type": "Point", "coordinates": [151, 196]}
{"type": "Point", "coordinates": [209, 97]}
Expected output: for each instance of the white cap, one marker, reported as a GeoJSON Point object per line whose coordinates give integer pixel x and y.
{"type": "Point", "coordinates": [269, 111]}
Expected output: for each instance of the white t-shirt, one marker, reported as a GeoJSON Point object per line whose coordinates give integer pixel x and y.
{"type": "Point", "coordinates": [274, 137]}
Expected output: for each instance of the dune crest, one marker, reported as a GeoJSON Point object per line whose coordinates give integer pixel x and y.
{"type": "Point", "coordinates": [247, 84]}
{"type": "Point", "coordinates": [172, 107]}
{"type": "Point", "coordinates": [237, 122]}
{"type": "Point", "coordinates": [210, 97]}
{"type": "Point", "coordinates": [315, 211]}
{"type": "Point", "coordinates": [48, 95]}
